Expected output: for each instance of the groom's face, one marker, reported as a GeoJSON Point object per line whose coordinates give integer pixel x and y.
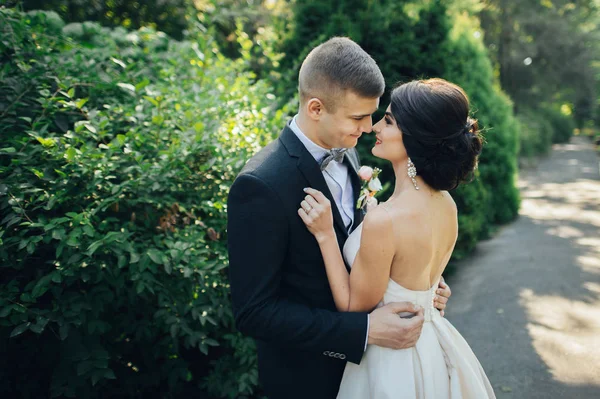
{"type": "Point", "coordinates": [352, 117]}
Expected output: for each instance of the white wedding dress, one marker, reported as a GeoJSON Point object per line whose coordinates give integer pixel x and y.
{"type": "Point", "coordinates": [440, 366]}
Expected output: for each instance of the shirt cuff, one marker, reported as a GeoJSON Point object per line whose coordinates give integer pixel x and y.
{"type": "Point", "coordinates": [367, 337]}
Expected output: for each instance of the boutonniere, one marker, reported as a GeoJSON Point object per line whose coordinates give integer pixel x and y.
{"type": "Point", "coordinates": [370, 187]}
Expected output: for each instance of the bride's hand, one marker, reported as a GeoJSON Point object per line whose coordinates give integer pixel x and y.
{"type": "Point", "coordinates": [315, 212]}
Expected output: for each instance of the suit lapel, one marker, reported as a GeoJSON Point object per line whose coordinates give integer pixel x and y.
{"type": "Point", "coordinates": [353, 172]}
{"type": "Point", "coordinates": [311, 171]}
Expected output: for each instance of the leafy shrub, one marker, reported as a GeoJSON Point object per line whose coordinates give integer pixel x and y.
{"type": "Point", "coordinates": [167, 16]}
{"type": "Point", "coordinates": [51, 21]}
{"type": "Point", "coordinates": [470, 67]}
{"type": "Point", "coordinates": [563, 125]}
{"type": "Point", "coordinates": [471, 200]}
{"type": "Point", "coordinates": [541, 127]}
{"type": "Point", "coordinates": [115, 164]}
{"type": "Point", "coordinates": [536, 134]}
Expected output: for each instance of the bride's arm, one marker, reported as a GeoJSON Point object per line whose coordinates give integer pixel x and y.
{"type": "Point", "coordinates": [364, 287]}
{"type": "Point", "coordinates": [339, 279]}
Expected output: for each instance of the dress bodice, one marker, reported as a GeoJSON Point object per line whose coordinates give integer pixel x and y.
{"type": "Point", "coordinates": [394, 291]}
{"type": "Point", "coordinates": [441, 365]}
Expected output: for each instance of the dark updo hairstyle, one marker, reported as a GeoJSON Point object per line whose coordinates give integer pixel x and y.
{"type": "Point", "coordinates": [440, 138]}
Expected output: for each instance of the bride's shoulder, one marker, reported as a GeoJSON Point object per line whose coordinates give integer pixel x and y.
{"type": "Point", "coordinates": [378, 220]}
{"type": "Point", "coordinates": [409, 210]}
{"type": "Point", "coordinates": [401, 208]}
{"type": "Point", "coordinates": [448, 202]}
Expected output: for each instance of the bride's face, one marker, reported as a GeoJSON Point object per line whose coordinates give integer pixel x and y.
{"type": "Point", "coordinates": [389, 143]}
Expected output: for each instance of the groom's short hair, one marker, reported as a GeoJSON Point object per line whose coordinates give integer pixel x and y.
{"type": "Point", "coordinates": [336, 66]}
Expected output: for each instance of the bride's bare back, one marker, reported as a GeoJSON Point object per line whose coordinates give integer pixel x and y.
{"type": "Point", "coordinates": [425, 229]}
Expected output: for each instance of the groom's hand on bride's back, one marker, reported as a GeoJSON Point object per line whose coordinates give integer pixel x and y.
{"type": "Point", "coordinates": [443, 294]}
{"type": "Point", "coordinates": [388, 329]}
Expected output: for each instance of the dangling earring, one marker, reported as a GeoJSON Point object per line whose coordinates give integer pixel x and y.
{"type": "Point", "coordinates": [412, 173]}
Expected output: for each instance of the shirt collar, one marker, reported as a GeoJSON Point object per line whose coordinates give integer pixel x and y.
{"type": "Point", "coordinates": [315, 150]}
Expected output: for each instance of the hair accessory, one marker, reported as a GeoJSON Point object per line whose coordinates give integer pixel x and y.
{"type": "Point", "coordinates": [412, 173]}
{"type": "Point", "coordinates": [469, 126]}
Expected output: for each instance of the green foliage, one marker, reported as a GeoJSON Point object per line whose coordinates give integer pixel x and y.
{"type": "Point", "coordinates": [542, 127]}
{"type": "Point", "coordinates": [536, 134]}
{"type": "Point", "coordinates": [51, 21]}
{"type": "Point", "coordinates": [166, 16]}
{"type": "Point", "coordinates": [530, 41]}
{"type": "Point", "coordinates": [563, 125]}
{"type": "Point", "coordinates": [117, 155]}
{"type": "Point", "coordinates": [469, 67]}
{"type": "Point", "coordinates": [406, 40]}
{"type": "Point", "coordinates": [247, 27]}
{"type": "Point", "coordinates": [471, 200]}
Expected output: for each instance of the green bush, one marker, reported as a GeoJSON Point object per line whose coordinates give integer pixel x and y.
{"type": "Point", "coordinates": [470, 67]}
{"type": "Point", "coordinates": [541, 127]}
{"type": "Point", "coordinates": [563, 125]}
{"type": "Point", "coordinates": [167, 16]}
{"type": "Point", "coordinates": [115, 163]}
{"type": "Point", "coordinates": [536, 134]}
{"type": "Point", "coordinates": [471, 201]}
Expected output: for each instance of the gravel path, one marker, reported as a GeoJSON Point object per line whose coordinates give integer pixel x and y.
{"type": "Point", "coordinates": [528, 301]}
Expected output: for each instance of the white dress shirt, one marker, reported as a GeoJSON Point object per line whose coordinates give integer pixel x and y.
{"type": "Point", "coordinates": [337, 179]}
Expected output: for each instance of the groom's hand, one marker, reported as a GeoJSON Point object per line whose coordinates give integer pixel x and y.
{"type": "Point", "coordinates": [388, 329]}
{"type": "Point", "coordinates": [443, 294]}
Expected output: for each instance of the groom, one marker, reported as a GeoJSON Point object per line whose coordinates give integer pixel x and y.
{"type": "Point", "coordinates": [279, 286]}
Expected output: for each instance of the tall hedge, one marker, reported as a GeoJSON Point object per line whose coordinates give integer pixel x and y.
{"type": "Point", "coordinates": [469, 66]}
{"type": "Point", "coordinates": [118, 149]}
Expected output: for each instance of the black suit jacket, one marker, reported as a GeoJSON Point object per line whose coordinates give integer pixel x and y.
{"type": "Point", "coordinates": [281, 296]}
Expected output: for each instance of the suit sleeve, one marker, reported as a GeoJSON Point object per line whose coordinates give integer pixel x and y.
{"type": "Point", "coordinates": [258, 238]}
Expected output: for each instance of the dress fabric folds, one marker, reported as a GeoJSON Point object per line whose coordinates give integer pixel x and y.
{"type": "Point", "coordinates": [441, 365]}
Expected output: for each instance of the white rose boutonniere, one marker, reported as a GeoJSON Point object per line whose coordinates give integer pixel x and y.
{"type": "Point", "coordinates": [370, 187]}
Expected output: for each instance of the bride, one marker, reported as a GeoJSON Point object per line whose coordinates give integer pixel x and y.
{"type": "Point", "coordinates": [403, 245]}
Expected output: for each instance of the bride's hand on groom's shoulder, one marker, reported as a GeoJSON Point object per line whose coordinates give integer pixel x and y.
{"type": "Point", "coordinates": [388, 329]}
{"type": "Point", "coordinates": [315, 212]}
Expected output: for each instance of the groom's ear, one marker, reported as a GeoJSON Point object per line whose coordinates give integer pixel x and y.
{"type": "Point", "coordinates": [315, 108]}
